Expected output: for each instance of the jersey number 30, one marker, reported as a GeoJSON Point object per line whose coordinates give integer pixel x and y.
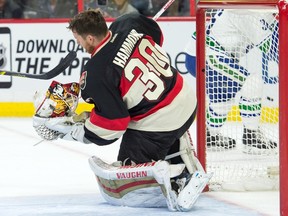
{"type": "Point", "coordinates": [152, 63]}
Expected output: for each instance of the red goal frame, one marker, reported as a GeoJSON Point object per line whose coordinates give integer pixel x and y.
{"type": "Point", "coordinates": [201, 6]}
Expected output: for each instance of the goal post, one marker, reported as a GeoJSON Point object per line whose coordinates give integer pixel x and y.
{"type": "Point", "coordinates": [283, 106]}
{"type": "Point", "coordinates": [267, 57]}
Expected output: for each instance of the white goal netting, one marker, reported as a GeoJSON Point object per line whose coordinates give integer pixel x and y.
{"type": "Point", "coordinates": [241, 88]}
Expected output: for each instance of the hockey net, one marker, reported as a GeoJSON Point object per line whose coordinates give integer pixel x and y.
{"type": "Point", "coordinates": [241, 112]}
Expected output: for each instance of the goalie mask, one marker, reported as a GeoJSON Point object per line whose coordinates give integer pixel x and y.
{"type": "Point", "coordinates": [59, 100]}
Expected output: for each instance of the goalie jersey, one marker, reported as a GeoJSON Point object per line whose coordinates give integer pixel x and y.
{"type": "Point", "coordinates": [132, 85]}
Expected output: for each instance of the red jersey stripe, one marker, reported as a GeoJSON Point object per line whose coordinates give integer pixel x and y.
{"type": "Point", "coordinates": [103, 42]}
{"type": "Point", "coordinates": [109, 124]}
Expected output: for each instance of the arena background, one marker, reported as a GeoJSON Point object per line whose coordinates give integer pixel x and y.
{"type": "Point", "coordinates": [40, 46]}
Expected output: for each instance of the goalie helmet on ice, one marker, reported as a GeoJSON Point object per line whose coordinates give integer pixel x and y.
{"type": "Point", "coordinates": [59, 100]}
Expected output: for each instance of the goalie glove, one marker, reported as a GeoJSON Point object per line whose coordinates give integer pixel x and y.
{"type": "Point", "coordinates": [76, 134]}
{"type": "Point", "coordinates": [44, 132]}
{"type": "Point", "coordinates": [58, 127]}
{"type": "Point", "coordinates": [68, 128]}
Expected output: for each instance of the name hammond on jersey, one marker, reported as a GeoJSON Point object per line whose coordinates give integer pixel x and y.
{"type": "Point", "coordinates": [127, 47]}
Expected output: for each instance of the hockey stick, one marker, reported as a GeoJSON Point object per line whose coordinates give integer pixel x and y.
{"type": "Point", "coordinates": [163, 9]}
{"type": "Point", "coordinates": [64, 63]}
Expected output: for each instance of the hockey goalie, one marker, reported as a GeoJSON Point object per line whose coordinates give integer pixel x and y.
{"type": "Point", "coordinates": [176, 181]}
{"type": "Point", "coordinates": [138, 97]}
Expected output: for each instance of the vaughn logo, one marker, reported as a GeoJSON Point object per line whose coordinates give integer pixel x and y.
{"type": "Point", "coordinates": [132, 175]}
{"type": "Point", "coordinates": [127, 172]}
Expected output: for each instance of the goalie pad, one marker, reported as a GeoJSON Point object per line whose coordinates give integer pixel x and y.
{"type": "Point", "coordinates": [147, 184]}
{"type": "Point", "coordinates": [141, 185]}
{"type": "Point", "coordinates": [187, 153]}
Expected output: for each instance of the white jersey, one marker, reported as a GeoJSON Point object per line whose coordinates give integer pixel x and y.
{"type": "Point", "coordinates": [233, 29]}
{"type": "Point", "coordinates": [191, 46]}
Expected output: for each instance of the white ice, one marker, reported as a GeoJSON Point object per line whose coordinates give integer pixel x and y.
{"type": "Point", "coordinates": [54, 179]}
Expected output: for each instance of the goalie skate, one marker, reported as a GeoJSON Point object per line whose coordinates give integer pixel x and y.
{"type": "Point", "coordinates": [193, 186]}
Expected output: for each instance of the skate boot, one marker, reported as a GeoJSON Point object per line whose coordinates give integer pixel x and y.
{"type": "Point", "coordinates": [219, 141]}
{"type": "Point", "coordinates": [189, 189]}
{"type": "Point", "coordinates": [255, 142]}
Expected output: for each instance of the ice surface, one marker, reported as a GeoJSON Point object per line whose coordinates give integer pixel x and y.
{"type": "Point", "coordinates": [54, 179]}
